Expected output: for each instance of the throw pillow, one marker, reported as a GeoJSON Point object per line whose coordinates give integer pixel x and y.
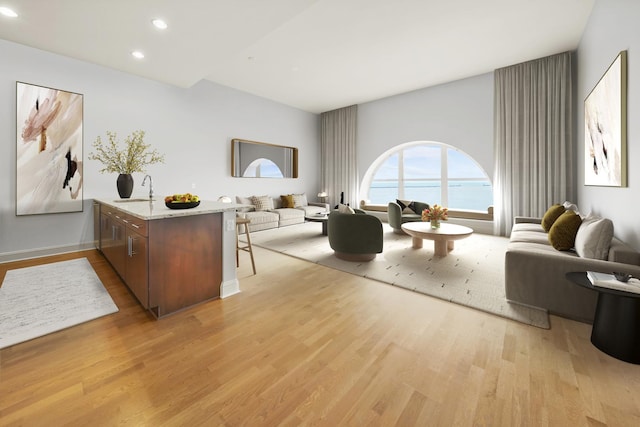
{"type": "Point", "coordinates": [406, 206]}
{"type": "Point", "coordinates": [287, 201]}
{"type": "Point", "coordinates": [262, 203]}
{"type": "Point", "coordinates": [562, 235]}
{"type": "Point", "coordinates": [300, 200]}
{"type": "Point", "coordinates": [414, 208]}
{"type": "Point", "coordinates": [594, 238]}
{"type": "Point", "coordinates": [345, 209]}
{"type": "Point", "coordinates": [552, 214]}
{"type": "Point", "coordinates": [245, 201]}
{"type": "Point", "coordinates": [571, 207]}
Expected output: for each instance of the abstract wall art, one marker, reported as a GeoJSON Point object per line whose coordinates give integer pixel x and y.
{"type": "Point", "coordinates": [605, 128]}
{"type": "Point", "coordinates": [49, 139]}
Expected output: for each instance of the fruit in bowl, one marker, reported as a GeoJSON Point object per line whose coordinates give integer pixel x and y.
{"type": "Point", "coordinates": [182, 198]}
{"type": "Point", "coordinates": [182, 201]}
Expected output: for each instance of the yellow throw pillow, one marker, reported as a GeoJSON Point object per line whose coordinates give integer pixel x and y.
{"type": "Point", "coordinates": [562, 235]}
{"type": "Point", "coordinates": [287, 201]}
{"type": "Point", "coordinates": [552, 214]}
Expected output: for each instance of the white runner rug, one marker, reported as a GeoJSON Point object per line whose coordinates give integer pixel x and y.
{"type": "Point", "coordinates": [471, 275]}
{"type": "Point", "coordinates": [36, 301]}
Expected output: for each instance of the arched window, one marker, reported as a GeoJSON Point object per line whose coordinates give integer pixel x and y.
{"type": "Point", "coordinates": [262, 168]}
{"type": "Point", "coordinates": [429, 172]}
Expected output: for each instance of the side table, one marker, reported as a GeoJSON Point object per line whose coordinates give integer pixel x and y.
{"type": "Point", "coordinates": [324, 219]}
{"type": "Point", "coordinates": [616, 324]}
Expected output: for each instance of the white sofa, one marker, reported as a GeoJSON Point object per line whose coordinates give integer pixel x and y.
{"type": "Point", "coordinates": [277, 216]}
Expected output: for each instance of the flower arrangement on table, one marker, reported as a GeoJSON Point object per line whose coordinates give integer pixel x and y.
{"type": "Point", "coordinates": [435, 214]}
{"type": "Point", "coordinates": [135, 156]}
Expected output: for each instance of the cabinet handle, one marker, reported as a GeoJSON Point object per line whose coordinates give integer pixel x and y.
{"type": "Point", "coordinates": [113, 232]}
{"type": "Point", "coordinates": [135, 225]}
{"type": "Point", "coordinates": [130, 250]}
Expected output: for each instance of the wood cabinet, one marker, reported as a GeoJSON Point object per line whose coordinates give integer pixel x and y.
{"type": "Point", "coordinates": [112, 239]}
{"type": "Point", "coordinates": [168, 263]}
{"type": "Point", "coordinates": [137, 260]}
{"type": "Point", "coordinates": [123, 242]}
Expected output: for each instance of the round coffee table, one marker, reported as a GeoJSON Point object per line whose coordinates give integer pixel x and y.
{"type": "Point", "coordinates": [442, 237]}
{"type": "Point", "coordinates": [324, 219]}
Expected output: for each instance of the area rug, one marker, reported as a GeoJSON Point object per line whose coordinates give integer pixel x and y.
{"type": "Point", "coordinates": [471, 275]}
{"type": "Point", "coordinates": [36, 301]}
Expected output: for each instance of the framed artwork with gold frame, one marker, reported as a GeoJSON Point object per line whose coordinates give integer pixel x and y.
{"type": "Point", "coordinates": [605, 128]}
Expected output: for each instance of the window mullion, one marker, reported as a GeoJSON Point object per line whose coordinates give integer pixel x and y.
{"type": "Point", "coordinates": [401, 174]}
{"type": "Point", "coordinates": [444, 177]}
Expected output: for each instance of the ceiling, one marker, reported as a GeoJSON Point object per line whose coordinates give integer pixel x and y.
{"type": "Point", "coordinates": [315, 55]}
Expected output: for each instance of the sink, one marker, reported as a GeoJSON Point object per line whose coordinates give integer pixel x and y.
{"type": "Point", "coordinates": [133, 200]}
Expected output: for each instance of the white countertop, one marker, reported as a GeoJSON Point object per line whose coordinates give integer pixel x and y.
{"type": "Point", "coordinates": [156, 209]}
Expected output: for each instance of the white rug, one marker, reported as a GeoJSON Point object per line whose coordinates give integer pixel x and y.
{"type": "Point", "coordinates": [471, 275]}
{"type": "Point", "coordinates": [36, 301]}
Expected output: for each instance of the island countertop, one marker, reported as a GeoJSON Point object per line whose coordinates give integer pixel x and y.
{"type": "Point", "coordinates": [156, 209]}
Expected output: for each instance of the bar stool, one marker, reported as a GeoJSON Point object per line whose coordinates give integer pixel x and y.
{"type": "Point", "coordinates": [247, 247]}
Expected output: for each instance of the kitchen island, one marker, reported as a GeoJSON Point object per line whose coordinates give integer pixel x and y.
{"type": "Point", "coordinates": [170, 259]}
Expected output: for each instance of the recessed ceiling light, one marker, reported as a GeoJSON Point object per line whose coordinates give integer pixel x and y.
{"type": "Point", "coordinates": [137, 54]}
{"type": "Point", "coordinates": [159, 24]}
{"type": "Point", "coordinates": [8, 12]}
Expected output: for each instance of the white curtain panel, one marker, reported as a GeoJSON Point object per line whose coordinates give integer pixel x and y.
{"type": "Point", "coordinates": [338, 155]}
{"type": "Point", "coordinates": [533, 139]}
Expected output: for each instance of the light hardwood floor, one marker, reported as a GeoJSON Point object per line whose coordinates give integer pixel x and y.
{"type": "Point", "coordinates": [307, 345]}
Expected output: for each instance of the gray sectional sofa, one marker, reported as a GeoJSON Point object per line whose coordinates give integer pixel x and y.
{"type": "Point", "coordinates": [535, 271]}
{"type": "Point", "coordinates": [278, 216]}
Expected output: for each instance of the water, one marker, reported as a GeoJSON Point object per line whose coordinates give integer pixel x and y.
{"type": "Point", "coordinates": [467, 195]}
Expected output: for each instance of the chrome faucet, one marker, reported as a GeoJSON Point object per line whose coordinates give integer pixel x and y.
{"type": "Point", "coordinates": [150, 185]}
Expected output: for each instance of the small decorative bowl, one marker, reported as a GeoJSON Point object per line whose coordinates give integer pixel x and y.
{"type": "Point", "coordinates": [623, 277]}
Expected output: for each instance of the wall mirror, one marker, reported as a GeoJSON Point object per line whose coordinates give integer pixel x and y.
{"type": "Point", "coordinates": [252, 159]}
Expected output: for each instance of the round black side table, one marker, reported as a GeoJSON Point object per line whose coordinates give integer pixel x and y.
{"type": "Point", "coordinates": [616, 324]}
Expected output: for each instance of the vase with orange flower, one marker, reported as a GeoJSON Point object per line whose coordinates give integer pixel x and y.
{"type": "Point", "coordinates": [435, 214]}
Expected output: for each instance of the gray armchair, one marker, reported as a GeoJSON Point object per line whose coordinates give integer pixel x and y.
{"type": "Point", "coordinates": [397, 217]}
{"type": "Point", "coordinates": [355, 237]}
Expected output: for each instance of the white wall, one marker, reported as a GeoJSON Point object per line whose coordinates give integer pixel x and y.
{"type": "Point", "coordinates": [458, 113]}
{"type": "Point", "coordinates": [192, 127]}
{"type": "Point", "coordinates": [612, 27]}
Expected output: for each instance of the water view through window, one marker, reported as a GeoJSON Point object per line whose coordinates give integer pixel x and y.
{"type": "Point", "coordinates": [417, 172]}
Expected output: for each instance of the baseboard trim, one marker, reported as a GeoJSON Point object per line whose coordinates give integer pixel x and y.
{"type": "Point", "coordinates": [229, 287]}
{"type": "Point", "coordinates": [43, 252]}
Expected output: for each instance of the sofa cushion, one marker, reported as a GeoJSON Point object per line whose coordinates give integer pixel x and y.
{"type": "Point", "coordinates": [528, 226]}
{"type": "Point", "coordinates": [594, 237]}
{"type": "Point", "coordinates": [289, 213]}
{"type": "Point", "coordinates": [300, 200]}
{"type": "Point", "coordinates": [245, 201]}
{"type": "Point", "coordinates": [262, 203]}
{"type": "Point", "coordinates": [527, 236]}
{"type": "Point", "coordinates": [562, 235]}
{"type": "Point", "coordinates": [289, 216]}
{"type": "Point", "coordinates": [310, 210]}
{"type": "Point", "coordinates": [552, 214]}
{"type": "Point", "coordinates": [260, 220]}
{"type": "Point", "coordinates": [287, 201]}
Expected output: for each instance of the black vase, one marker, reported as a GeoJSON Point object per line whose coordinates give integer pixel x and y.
{"type": "Point", "coordinates": [125, 185]}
